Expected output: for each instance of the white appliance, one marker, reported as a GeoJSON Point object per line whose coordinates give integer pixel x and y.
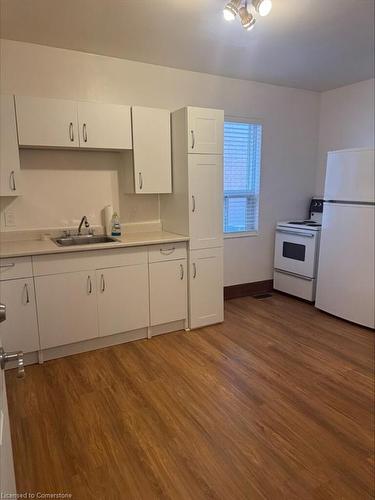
{"type": "Point", "coordinates": [346, 262]}
{"type": "Point", "coordinates": [296, 254]}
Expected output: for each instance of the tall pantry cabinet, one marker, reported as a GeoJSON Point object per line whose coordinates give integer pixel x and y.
{"type": "Point", "coordinates": [195, 207]}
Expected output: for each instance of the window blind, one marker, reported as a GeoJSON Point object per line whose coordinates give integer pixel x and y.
{"type": "Point", "coordinates": [242, 159]}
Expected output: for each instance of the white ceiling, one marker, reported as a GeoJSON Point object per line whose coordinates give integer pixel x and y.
{"type": "Point", "coordinates": [311, 44]}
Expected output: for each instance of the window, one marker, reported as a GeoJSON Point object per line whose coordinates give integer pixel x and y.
{"type": "Point", "coordinates": [242, 157]}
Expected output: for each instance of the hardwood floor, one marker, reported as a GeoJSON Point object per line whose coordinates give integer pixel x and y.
{"type": "Point", "coordinates": [276, 402]}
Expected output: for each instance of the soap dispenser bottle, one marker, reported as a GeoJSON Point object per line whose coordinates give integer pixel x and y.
{"type": "Point", "coordinates": [116, 226]}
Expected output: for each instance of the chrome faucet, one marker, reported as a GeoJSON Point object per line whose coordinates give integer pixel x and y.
{"type": "Point", "coordinates": [83, 221]}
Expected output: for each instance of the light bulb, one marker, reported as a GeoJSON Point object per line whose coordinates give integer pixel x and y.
{"type": "Point", "coordinates": [231, 9]}
{"type": "Point", "coordinates": [263, 7]}
{"type": "Point", "coordinates": [228, 14]}
{"type": "Point", "coordinates": [247, 19]}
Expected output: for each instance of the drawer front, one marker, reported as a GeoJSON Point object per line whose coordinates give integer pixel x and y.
{"type": "Point", "coordinates": [167, 251]}
{"type": "Point", "coordinates": [19, 267]}
{"type": "Point", "coordinates": [81, 261]}
{"type": "Point", "coordinates": [294, 285]}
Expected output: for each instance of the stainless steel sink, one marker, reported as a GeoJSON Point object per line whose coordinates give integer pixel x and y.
{"type": "Point", "coordinates": [89, 239]}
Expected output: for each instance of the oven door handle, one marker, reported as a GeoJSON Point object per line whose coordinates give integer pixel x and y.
{"type": "Point", "coordinates": [284, 231]}
{"type": "Point", "coordinates": [295, 275]}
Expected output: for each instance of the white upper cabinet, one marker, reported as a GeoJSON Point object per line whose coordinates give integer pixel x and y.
{"type": "Point", "coordinates": [205, 130]}
{"type": "Point", "coordinates": [10, 184]}
{"type": "Point", "coordinates": [58, 123]}
{"type": "Point", "coordinates": [46, 123]}
{"type": "Point", "coordinates": [205, 201]}
{"type": "Point", "coordinates": [152, 150]}
{"type": "Point", "coordinates": [104, 126]}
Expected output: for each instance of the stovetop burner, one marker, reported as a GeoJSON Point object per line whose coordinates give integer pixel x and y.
{"type": "Point", "coordinates": [305, 223]}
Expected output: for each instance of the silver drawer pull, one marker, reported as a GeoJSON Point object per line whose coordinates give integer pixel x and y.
{"type": "Point", "coordinates": [181, 272]}
{"type": "Point", "coordinates": [295, 233]}
{"type": "Point", "coordinates": [194, 270]}
{"type": "Point", "coordinates": [71, 132]}
{"type": "Point", "coordinates": [89, 285]}
{"type": "Point", "coordinates": [192, 139]}
{"type": "Point", "coordinates": [294, 275]}
{"type": "Point", "coordinates": [84, 132]}
{"type": "Point", "coordinates": [193, 202]}
{"type": "Point", "coordinates": [167, 251]}
{"type": "Point", "coordinates": [102, 283]}
{"type": "Point", "coordinates": [140, 180]}
{"type": "Point", "coordinates": [12, 181]}
{"type": "Point", "coordinates": [7, 265]}
{"type": "Point", "coordinates": [26, 288]}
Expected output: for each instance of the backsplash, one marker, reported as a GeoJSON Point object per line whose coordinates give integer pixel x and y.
{"type": "Point", "coordinates": [60, 186]}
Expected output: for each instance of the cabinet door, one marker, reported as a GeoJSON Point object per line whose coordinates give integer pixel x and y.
{"type": "Point", "coordinates": [104, 126]}
{"type": "Point", "coordinates": [206, 287]}
{"type": "Point", "coordinates": [206, 130]}
{"type": "Point", "coordinates": [20, 330]}
{"type": "Point", "coordinates": [152, 150]}
{"type": "Point", "coordinates": [67, 308]}
{"type": "Point", "coordinates": [206, 201]}
{"type": "Point", "coordinates": [168, 292]}
{"type": "Point", "coordinates": [123, 303]}
{"type": "Point", "coordinates": [49, 123]}
{"type": "Point", "coordinates": [9, 155]}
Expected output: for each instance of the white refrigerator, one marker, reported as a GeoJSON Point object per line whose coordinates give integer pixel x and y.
{"type": "Point", "coordinates": [345, 284]}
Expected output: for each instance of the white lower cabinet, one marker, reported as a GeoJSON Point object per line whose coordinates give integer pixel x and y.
{"type": "Point", "coordinates": [123, 303]}
{"type": "Point", "coordinates": [67, 308]}
{"type": "Point", "coordinates": [20, 330]}
{"type": "Point", "coordinates": [206, 287]}
{"type": "Point", "coordinates": [168, 291]}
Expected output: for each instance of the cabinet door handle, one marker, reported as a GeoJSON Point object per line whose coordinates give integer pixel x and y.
{"type": "Point", "coordinates": [140, 180]}
{"type": "Point", "coordinates": [84, 132]}
{"type": "Point", "coordinates": [193, 203]}
{"type": "Point", "coordinates": [26, 288]}
{"type": "Point", "coordinates": [181, 272]}
{"type": "Point", "coordinates": [102, 283]}
{"type": "Point", "coordinates": [71, 132]}
{"type": "Point", "coordinates": [194, 270]}
{"type": "Point", "coordinates": [167, 251]}
{"type": "Point", "coordinates": [192, 139]}
{"type": "Point", "coordinates": [3, 266]}
{"type": "Point", "coordinates": [12, 179]}
{"type": "Point", "coordinates": [89, 285]}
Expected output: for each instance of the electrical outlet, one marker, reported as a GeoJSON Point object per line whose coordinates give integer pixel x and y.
{"type": "Point", "coordinates": [10, 219]}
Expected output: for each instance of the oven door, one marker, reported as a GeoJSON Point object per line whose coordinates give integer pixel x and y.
{"type": "Point", "coordinates": [295, 251]}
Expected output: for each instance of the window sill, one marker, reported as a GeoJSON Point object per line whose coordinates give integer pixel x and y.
{"type": "Point", "coordinates": [245, 234]}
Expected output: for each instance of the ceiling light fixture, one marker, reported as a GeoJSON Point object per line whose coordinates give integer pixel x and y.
{"type": "Point", "coordinates": [263, 7]}
{"type": "Point", "coordinates": [231, 9]}
{"type": "Point", "coordinates": [240, 7]}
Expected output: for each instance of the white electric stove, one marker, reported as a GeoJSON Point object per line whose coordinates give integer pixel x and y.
{"type": "Point", "coordinates": [297, 252]}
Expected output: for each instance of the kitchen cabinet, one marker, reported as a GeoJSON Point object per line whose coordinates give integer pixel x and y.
{"type": "Point", "coordinates": [20, 330]}
{"type": "Point", "coordinates": [123, 299]}
{"type": "Point", "coordinates": [206, 201]}
{"type": "Point", "coordinates": [205, 130]}
{"type": "Point", "coordinates": [46, 123]}
{"type": "Point", "coordinates": [206, 287]}
{"type": "Point", "coordinates": [104, 126]}
{"type": "Point", "coordinates": [67, 308]}
{"type": "Point", "coordinates": [59, 123]}
{"type": "Point", "coordinates": [168, 291]}
{"type": "Point", "coordinates": [10, 182]}
{"type": "Point", "coordinates": [150, 170]}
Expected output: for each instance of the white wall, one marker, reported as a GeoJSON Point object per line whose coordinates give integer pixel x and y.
{"type": "Point", "coordinates": [290, 138]}
{"type": "Point", "coordinates": [346, 121]}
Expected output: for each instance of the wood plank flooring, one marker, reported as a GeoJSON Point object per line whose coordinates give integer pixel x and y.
{"type": "Point", "coordinates": [276, 402]}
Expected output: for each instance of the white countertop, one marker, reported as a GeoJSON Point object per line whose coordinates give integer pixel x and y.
{"type": "Point", "coordinates": [24, 248]}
